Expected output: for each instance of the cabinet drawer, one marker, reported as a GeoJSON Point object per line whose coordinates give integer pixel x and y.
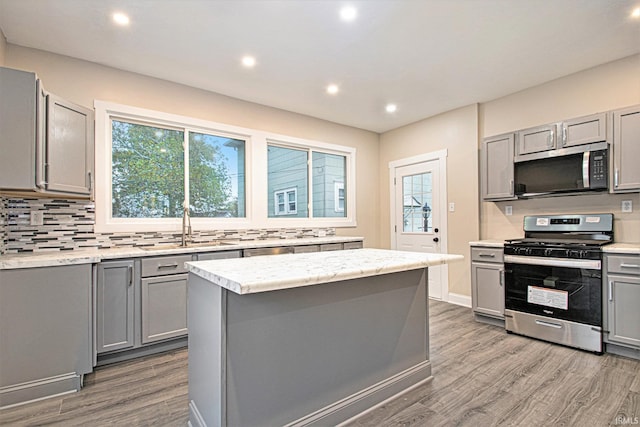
{"type": "Point", "coordinates": [160, 266]}
{"type": "Point", "coordinates": [306, 249]}
{"type": "Point", "coordinates": [487, 254]}
{"type": "Point", "coordinates": [352, 245]}
{"type": "Point", "coordinates": [219, 255]}
{"type": "Point", "coordinates": [331, 247]}
{"type": "Point", "coordinates": [623, 264]}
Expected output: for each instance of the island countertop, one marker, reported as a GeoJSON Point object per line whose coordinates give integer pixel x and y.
{"type": "Point", "coordinates": [276, 272]}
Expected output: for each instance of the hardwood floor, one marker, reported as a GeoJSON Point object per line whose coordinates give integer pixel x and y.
{"type": "Point", "coordinates": [482, 377]}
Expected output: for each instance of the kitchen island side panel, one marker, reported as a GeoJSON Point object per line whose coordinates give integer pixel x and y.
{"type": "Point", "coordinates": [292, 352]}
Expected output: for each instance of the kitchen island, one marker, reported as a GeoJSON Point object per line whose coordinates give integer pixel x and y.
{"type": "Point", "coordinates": [306, 339]}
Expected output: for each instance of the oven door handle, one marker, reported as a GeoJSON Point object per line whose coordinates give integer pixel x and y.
{"type": "Point", "coordinates": [554, 262]}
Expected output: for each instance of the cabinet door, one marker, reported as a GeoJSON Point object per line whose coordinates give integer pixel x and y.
{"type": "Point", "coordinates": [626, 149]}
{"type": "Point", "coordinates": [623, 315]}
{"type": "Point", "coordinates": [115, 306]}
{"type": "Point", "coordinates": [487, 289]}
{"type": "Point", "coordinates": [584, 130]}
{"type": "Point", "coordinates": [45, 329]}
{"type": "Point", "coordinates": [69, 147]}
{"type": "Point", "coordinates": [534, 140]}
{"type": "Point", "coordinates": [18, 129]}
{"type": "Point", "coordinates": [497, 168]}
{"type": "Point", "coordinates": [164, 307]}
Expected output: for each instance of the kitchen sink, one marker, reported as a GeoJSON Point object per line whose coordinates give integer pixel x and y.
{"type": "Point", "coordinates": [214, 243]}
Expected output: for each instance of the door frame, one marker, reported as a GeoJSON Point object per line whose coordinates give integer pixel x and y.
{"type": "Point", "coordinates": [441, 157]}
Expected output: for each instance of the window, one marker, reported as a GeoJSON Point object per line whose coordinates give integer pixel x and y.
{"type": "Point", "coordinates": [286, 202]}
{"type": "Point", "coordinates": [339, 196]}
{"type": "Point", "coordinates": [150, 164]}
{"type": "Point", "coordinates": [316, 182]}
{"type": "Point", "coordinates": [148, 172]}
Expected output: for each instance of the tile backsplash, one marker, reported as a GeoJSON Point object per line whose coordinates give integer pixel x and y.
{"type": "Point", "coordinates": [69, 225]}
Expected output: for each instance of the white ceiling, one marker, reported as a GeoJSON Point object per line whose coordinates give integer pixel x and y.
{"type": "Point", "coordinates": [426, 56]}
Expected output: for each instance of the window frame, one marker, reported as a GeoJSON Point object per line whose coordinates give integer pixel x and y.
{"type": "Point", "coordinates": [256, 200]}
{"type": "Point", "coordinates": [286, 202]}
{"type": "Point", "coordinates": [337, 186]}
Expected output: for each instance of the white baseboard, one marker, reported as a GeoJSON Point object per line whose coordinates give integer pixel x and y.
{"type": "Point", "coordinates": [458, 299]}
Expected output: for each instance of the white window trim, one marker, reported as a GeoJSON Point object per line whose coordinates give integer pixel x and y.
{"type": "Point", "coordinates": [256, 203]}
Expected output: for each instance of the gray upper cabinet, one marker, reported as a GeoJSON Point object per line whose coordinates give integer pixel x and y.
{"type": "Point", "coordinates": [583, 130]}
{"type": "Point", "coordinates": [115, 306]}
{"type": "Point", "coordinates": [46, 142]}
{"type": "Point", "coordinates": [496, 168]}
{"type": "Point", "coordinates": [536, 139]}
{"type": "Point", "coordinates": [626, 149]}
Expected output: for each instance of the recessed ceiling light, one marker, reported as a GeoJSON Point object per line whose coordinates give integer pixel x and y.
{"type": "Point", "coordinates": [120, 18]}
{"type": "Point", "coordinates": [348, 13]}
{"type": "Point", "coordinates": [636, 13]}
{"type": "Point", "coordinates": [249, 61]}
{"type": "Point", "coordinates": [333, 89]}
{"type": "Point", "coordinates": [391, 108]}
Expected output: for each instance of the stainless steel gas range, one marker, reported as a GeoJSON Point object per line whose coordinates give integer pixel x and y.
{"type": "Point", "coordinates": [553, 279]}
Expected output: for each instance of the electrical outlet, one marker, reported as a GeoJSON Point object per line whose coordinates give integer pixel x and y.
{"type": "Point", "coordinates": [508, 210]}
{"type": "Point", "coordinates": [627, 206]}
{"type": "Point", "coordinates": [36, 217]}
{"type": "Point", "coordinates": [452, 207]}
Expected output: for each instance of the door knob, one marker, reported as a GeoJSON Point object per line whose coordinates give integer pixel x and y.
{"type": "Point", "coordinates": [435, 230]}
{"type": "Point", "coordinates": [435, 239]}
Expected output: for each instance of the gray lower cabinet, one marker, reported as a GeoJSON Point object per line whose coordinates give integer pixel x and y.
{"type": "Point", "coordinates": [487, 281]}
{"type": "Point", "coordinates": [622, 300]}
{"type": "Point", "coordinates": [115, 306]}
{"type": "Point", "coordinates": [626, 149]}
{"type": "Point", "coordinates": [45, 331]}
{"type": "Point", "coordinates": [163, 299]}
{"type": "Point", "coordinates": [164, 307]}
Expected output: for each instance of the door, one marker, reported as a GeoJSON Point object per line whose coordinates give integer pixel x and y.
{"type": "Point", "coordinates": [534, 140]}
{"type": "Point", "coordinates": [115, 299]}
{"type": "Point", "coordinates": [417, 213]}
{"type": "Point", "coordinates": [497, 168]}
{"type": "Point", "coordinates": [626, 150]}
{"type": "Point", "coordinates": [164, 307]}
{"type": "Point", "coordinates": [623, 314]}
{"type": "Point", "coordinates": [69, 152]}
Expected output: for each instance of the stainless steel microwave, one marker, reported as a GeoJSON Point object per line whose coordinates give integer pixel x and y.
{"type": "Point", "coordinates": [563, 172]}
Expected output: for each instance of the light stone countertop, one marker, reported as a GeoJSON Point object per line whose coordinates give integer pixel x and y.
{"type": "Point", "coordinates": [90, 256]}
{"type": "Point", "coordinates": [276, 272]}
{"type": "Point", "coordinates": [489, 243]}
{"type": "Point", "coordinates": [622, 248]}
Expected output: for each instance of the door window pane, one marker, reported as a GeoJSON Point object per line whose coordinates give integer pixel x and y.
{"type": "Point", "coordinates": [147, 171]}
{"type": "Point", "coordinates": [287, 171]}
{"type": "Point", "coordinates": [417, 203]}
{"type": "Point", "coordinates": [328, 197]}
{"type": "Point", "coordinates": [216, 176]}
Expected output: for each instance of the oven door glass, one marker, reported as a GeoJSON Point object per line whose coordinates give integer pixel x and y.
{"type": "Point", "coordinates": [573, 294]}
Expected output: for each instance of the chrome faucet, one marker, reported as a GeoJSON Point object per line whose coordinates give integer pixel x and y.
{"type": "Point", "coordinates": [186, 226]}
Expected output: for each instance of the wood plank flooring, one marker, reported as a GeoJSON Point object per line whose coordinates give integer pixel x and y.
{"type": "Point", "coordinates": [482, 377]}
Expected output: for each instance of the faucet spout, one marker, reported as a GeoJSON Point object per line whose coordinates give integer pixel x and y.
{"type": "Point", "coordinates": [186, 226]}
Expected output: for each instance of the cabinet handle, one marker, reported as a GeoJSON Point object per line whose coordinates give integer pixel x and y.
{"type": "Point", "coordinates": [487, 255]}
{"type": "Point", "coordinates": [623, 265]}
{"type": "Point", "coordinates": [615, 178]}
{"type": "Point", "coordinates": [550, 144]}
{"type": "Point", "coordinates": [168, 265]}
{"type": "Point", "coordinates": [501, 277]}
{"type": "Point", "coordinates": [610, 290]}
{"type": "Point", "coordinates": [130, 274]}
{"type": "Point", "coordinates": [564, 136]}
{"type": "Point", "coordinates": [90, 183]}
